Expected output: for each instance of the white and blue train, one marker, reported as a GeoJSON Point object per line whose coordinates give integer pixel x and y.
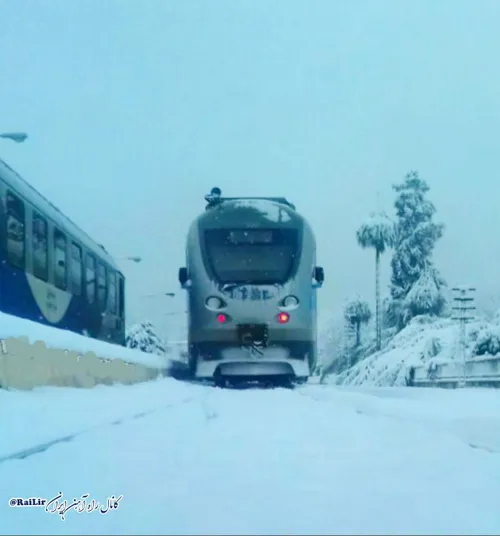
{"type": "Point", "coordinates": [51, 271]}
{"type": "Point", "coordinates": [251, 278]}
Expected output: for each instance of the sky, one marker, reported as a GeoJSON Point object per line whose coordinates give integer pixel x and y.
{"type": "Point", "coordinates": [135, 110]}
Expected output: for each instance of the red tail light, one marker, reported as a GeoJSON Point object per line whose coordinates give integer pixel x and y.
{"type": "Point", "coordinates": [283, 318]}
{"type": "Point", "coordinates": [221, 318]}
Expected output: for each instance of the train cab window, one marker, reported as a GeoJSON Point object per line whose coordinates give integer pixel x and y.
{"type": "Point", "coordinates": [121, 297]}
{"type": "Point", "coordinates": [60, 264]}
{"type": "Point", "coordinates": [258, 256]}
{"type": "Point", "coordinates": [101, 284]}
{"type": "Point", "coordinates": [76, 269]}
{"type": "Point", "coordinates": [40, 247]}
{"type": "Point", "coordinates": [112, 292]}
{"type": "Point", "coordinates": [90, 278]}
{"type": "Point", "coordinates": [15, 230]}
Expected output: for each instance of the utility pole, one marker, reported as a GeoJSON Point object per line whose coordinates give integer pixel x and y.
{"type": "Point", "coordinates": [464, 302]}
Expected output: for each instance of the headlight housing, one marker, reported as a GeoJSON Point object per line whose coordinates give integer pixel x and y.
{"type": "Point", "coordinates": [290, 302]}
{"type": "Point", "coordinates": [214, 303]}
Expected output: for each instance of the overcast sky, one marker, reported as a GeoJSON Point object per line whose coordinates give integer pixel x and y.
{"type": "Point", "coordinates": [136, 108]}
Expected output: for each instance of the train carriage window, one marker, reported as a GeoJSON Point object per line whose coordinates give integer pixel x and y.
{"type": "Point", "coordinates": [90, 279]}
{"type": "Point", "coordinates": [101, 285]}
{"type": "Point", "coordinates": [60, 263]}
{"type": "Point", "coordinates": [76, 269]}
{"type": "Point", "coordinates": [40, 247]}
{"type": "Point", "coordinates": [121, 297]}
{"type": "Point", "coordinates": [112, 292]}
{"type": "Point", "coordinates": [15, 230]}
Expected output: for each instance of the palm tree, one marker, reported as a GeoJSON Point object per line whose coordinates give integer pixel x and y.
{"type": "Point", "coordinates": [377, 232]}
{"type": "Point", "coordinates": [357, 312]}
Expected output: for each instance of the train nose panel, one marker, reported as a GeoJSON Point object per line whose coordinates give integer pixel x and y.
{"type": "Point", "coordinates": [245, 369]}
{"type": "Point", "coordinates": [239, 354]}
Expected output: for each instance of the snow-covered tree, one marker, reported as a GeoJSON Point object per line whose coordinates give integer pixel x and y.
{"type": "Point", "coordinates": [425, 295]}
{"type": "Point", "coordinates": [357, 312]}
{"type": "Point", "coordinates": [378, 232]}
{"type": "Point", "coordinates": [416, 236]}
{"type": "Point", "coordinates": [143, 337]}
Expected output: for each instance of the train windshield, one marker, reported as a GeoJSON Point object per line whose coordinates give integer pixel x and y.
{"type": "Point", "coordinates": [252, 256]}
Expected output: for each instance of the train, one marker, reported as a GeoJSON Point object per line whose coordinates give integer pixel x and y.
{"type": "Point", "coordinates": [51, 271]}
{"type": "Point", "coordinates": [251, 280]}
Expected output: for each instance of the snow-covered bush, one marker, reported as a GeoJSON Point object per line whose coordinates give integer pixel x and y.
{"type": "Point", "coordinates": [487, 341]}
{"type": "Point", "coordinates": [425, 295]}
{"type": "Point", "coordinates": [432, 347]}
{"type": "Point", "coordinates": [143, 337]}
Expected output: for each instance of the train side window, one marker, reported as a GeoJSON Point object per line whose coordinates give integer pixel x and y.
{"type": "Point", "coordinates": [90, 279]}
{"type": "Point", "coordinates": [112, 292]}
{"type": "Point", "coordinates": [60, 264]}
{"type": "Point", "coordinates": [121, 297]}
{"type": "Point", "coordinates": [15, 230]}
{"type": "Point", "coordinates": [40, 247]}
{"type": "Point", "coordinates": [76, 269]}
{"type": "Point", "coordinates": [101, 285]}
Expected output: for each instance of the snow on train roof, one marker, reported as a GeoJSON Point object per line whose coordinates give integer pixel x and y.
{"type": "Point", "coordinates": [270, 209]}
{"type": "Point", "coordinates": [33, 196]}
{"type": "Point", "coordinates": [275, 209]}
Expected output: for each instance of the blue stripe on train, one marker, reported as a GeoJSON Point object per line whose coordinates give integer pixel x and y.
{"type": "Point", "coordinates": [16, 298]}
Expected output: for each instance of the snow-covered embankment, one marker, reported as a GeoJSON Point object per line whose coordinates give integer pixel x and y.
{"type": "Point", "coordinates": [430, 343]}
{"type": "Point", "coordinates": [33, 355]}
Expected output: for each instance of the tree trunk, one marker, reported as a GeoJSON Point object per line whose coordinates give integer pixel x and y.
{"type": "Point", "coordinates": [378, 323]}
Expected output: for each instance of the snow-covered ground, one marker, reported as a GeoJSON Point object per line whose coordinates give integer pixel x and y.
{"type": "Point", "coordinates": [168, 457]}
{"type": "Point", "coordinates": [189, 459]}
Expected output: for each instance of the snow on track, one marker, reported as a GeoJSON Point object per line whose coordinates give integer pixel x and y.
{"type": "Point", "coordinates": [316, 460]}
{"type": "Point", "coordinates": [48, 414]}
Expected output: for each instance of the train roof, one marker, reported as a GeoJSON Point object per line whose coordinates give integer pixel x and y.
{"type": "Point", "coordinates": [280, 200]}
{"type": "Point", "coordinates": [24, 189]}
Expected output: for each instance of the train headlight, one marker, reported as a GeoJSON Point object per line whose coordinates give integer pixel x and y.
{"type": "Point", "coordinates": [290, 302]}
{"type": "Point", "coordinates": [221, 318]}
{"type": "Point", "coordinates": [214, 303]}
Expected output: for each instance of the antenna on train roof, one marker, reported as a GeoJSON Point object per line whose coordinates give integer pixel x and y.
{"type": "Point", "coordinates": [214, 196]}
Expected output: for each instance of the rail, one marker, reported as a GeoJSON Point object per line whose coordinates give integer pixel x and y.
{"type": "Point", "coordinates": [481, 371]}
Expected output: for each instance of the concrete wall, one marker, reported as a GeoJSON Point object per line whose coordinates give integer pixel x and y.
{"type": "Point", "coordinates": [24, 365]}
{"type": "Point", "coordinates": [480, 371]}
